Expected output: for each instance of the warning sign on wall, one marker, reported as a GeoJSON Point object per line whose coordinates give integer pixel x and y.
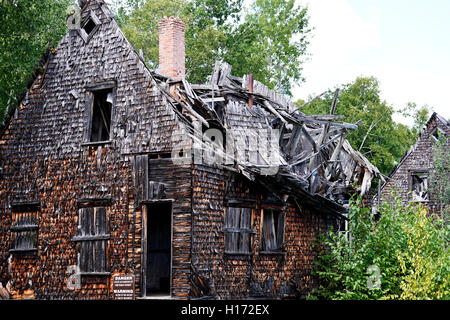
{"type": "Point", "coordinates": [123, 286]}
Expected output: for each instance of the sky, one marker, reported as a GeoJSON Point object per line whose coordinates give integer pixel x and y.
{"type": "Point", "coordinates": [405, 44]}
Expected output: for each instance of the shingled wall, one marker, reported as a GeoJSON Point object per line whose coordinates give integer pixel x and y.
{"type": "Point", "coordinates": [257, 275]}
{"type": "Point", "coordinates": [43, 159]}
{"type": "Point", "coordinates": [419, 158]}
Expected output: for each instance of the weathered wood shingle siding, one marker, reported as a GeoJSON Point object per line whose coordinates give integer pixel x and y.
{"type": "Point", "coordinates": [257, 274]}
{"type": "Point", "coordinates": [42, 158]}
{"type": "Point", "coordinates": [419, 158]}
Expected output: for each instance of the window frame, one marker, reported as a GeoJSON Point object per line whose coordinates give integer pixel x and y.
{"type": "Point", "coordinates": [82, 32]}
{"type": "Point", "coordinates": [91, 89]}
{"type": "Point", "coordinates": [27, 226]}
{"type": "Point", "coordinates": [229, 230]}
{"type": "Point", "coordinates": [94, 240]}
{"type": "Point", "coordinates": [434, 134]}
{"type": "Point", "coordinates": [278, 230]}
{"type": "Point", "coordinates": [412, 173]}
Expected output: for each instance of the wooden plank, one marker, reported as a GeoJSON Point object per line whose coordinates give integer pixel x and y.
{"type": "Point", "coordinates": [141, 178]}
{"type": "Point", "coordinates": [306, 103]}
{"type": "Point", "coordinates": [336, 153]}
{"type": "Point", "coordinates": [90, 221]}
{"type": "Point", "coordinates": [84, 256]}
{"type": "Point", "coordinates": [280, 230]}
{"type": "Point", "coordinates": [101, 225]}
{"type": "Point", "coordinates": [245, 217]}
{"type": "Point", "coordinates": [275, 112]}
{"type": "Point", "coordinates": [88, 116]}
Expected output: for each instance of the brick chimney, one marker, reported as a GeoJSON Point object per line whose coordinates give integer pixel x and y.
{"type": "Point", "coordinates": [171, 47]}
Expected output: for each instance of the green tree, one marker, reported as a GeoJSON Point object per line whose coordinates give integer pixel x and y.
{"type": "Point", "coordinates": [271, 43]}
{"type": "Point", "coordinates": [440, 175]}
{"type": "Point", "coordinates": [420, 115]}
{"type": "Point", "coordinates": [401, 256]}
{"type": "Point", "coordinates": [27, 29]}
{"type": "Point", "coordinates": [382, 140]}
{"type": "Point", "coordinates": [270, 40]}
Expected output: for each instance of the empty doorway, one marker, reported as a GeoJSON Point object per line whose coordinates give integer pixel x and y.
{"type": "Point", "coordinates": [158, 248]}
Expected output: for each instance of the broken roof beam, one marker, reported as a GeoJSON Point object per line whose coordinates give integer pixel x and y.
{"type": "Point", "coordinates": [298, 119]}
{"type": "Point", "coordinates": [297, 161]}
{"type": "Point", "coordinates": [327, 117]}
{"type": "Point", "coordinates": [293, 142]}
{"type": "Point", "coordinates": [187, 107]}
{"type": "Point", "coordinates": [326, 126]}
{"type": "Point", "coordinates": [220, 73]}
{"type": "Point", "coordinates": [275, 112]}
{"type": "Point", "coordinates": [205, 87]}
{"type": "Point", "coordinates": [335, 154]}
{"type": "Point", "coordinates": [349, 126]}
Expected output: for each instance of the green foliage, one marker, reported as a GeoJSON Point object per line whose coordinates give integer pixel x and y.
{"type": "Point", "coordinates": [420, 115]}
{"type": "Point", "coordinates": [27, 28]}
{"type": "Point", "coordinates": [425, 263]}
{"type": "Point", "coordinates": [382, 140]}
{"type": "Point", "coordinates": [407, 247]}
{"type": "Point", "coordinates": [270, 43]}
{"type": "Point", "coordinates": [141, 27]}
{"type": "Point", "coordinates": [440, 175]}
{"type": "Point", "coordinates": [269, 40]}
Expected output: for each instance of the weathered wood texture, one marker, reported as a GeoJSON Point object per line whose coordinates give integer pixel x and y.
{"type": "Point", "coordinates": [43, 159]}
{"type": "Point", "coordinates": [257, 274]}
{"type": "Point", "coordinates": [49, 163]}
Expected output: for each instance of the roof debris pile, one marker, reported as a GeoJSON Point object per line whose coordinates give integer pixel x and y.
{"type": "Point", "coordinates": [312, 158]}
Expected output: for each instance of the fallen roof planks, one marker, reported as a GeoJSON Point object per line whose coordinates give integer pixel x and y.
{"type": "Point", "coordinates": [320, 162]}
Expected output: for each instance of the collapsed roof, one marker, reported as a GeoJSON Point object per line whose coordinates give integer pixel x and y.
{"type": "Point", "coordinates": [312, 161]}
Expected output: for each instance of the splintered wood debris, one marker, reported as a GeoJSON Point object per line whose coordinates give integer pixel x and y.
{"type": "Point", "coordinates": [313, 161]}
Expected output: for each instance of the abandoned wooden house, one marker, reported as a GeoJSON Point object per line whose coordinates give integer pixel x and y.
{"type": "Point", "coordinates": [410, 178]}
{"type": "Point", "coordinates": [193, 190]}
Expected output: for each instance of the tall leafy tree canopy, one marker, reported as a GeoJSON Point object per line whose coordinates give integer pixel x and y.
{"type": "Point", "coordinates": [381, 139]}
{"type": "Point", "coordinates": [27, 28]}
{"type": "Point", "coordinates": [269, 39]}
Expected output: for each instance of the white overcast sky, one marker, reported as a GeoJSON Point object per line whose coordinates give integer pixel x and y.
{"type": "Point", "coordinates": [405, 44]}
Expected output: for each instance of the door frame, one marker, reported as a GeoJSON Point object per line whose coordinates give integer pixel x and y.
{"type": "Point", "coordinates": [145, 210]}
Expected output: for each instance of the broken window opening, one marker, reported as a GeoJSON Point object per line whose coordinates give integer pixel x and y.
{"type": "Point", "coordinates": [435, 133]}
{"type": "Point", "coordinates": [101, 115]}
{"type": "Point", "coordinates": [419, 186]}
{"type": "Point", "coordinates": [237, 230]}
{"type": "Point", "coordinates": [272, 230]}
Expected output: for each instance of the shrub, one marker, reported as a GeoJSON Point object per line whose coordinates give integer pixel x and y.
{"type": "Point", "coordinates": [403, 255]}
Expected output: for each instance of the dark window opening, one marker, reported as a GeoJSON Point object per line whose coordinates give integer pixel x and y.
{"type": "Point", "coordinates": [101, 115]}
{"type": "Point", "coordinates": [24, 231]}
{"type": "Point", "coordinates": [237, 230]}
{"type": "Point", "coordinates": [92, 237]}
{"type": "Point", "coordinates": [272, 230]}
{"type": "Point", "coordinates": [435, 133]}
{"type": "Point", "coordinates": [163, 155]}
{"type": "Point", "coordinates": [89, 26]}
{"type": "Point", "coordinates": [419, 187]}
